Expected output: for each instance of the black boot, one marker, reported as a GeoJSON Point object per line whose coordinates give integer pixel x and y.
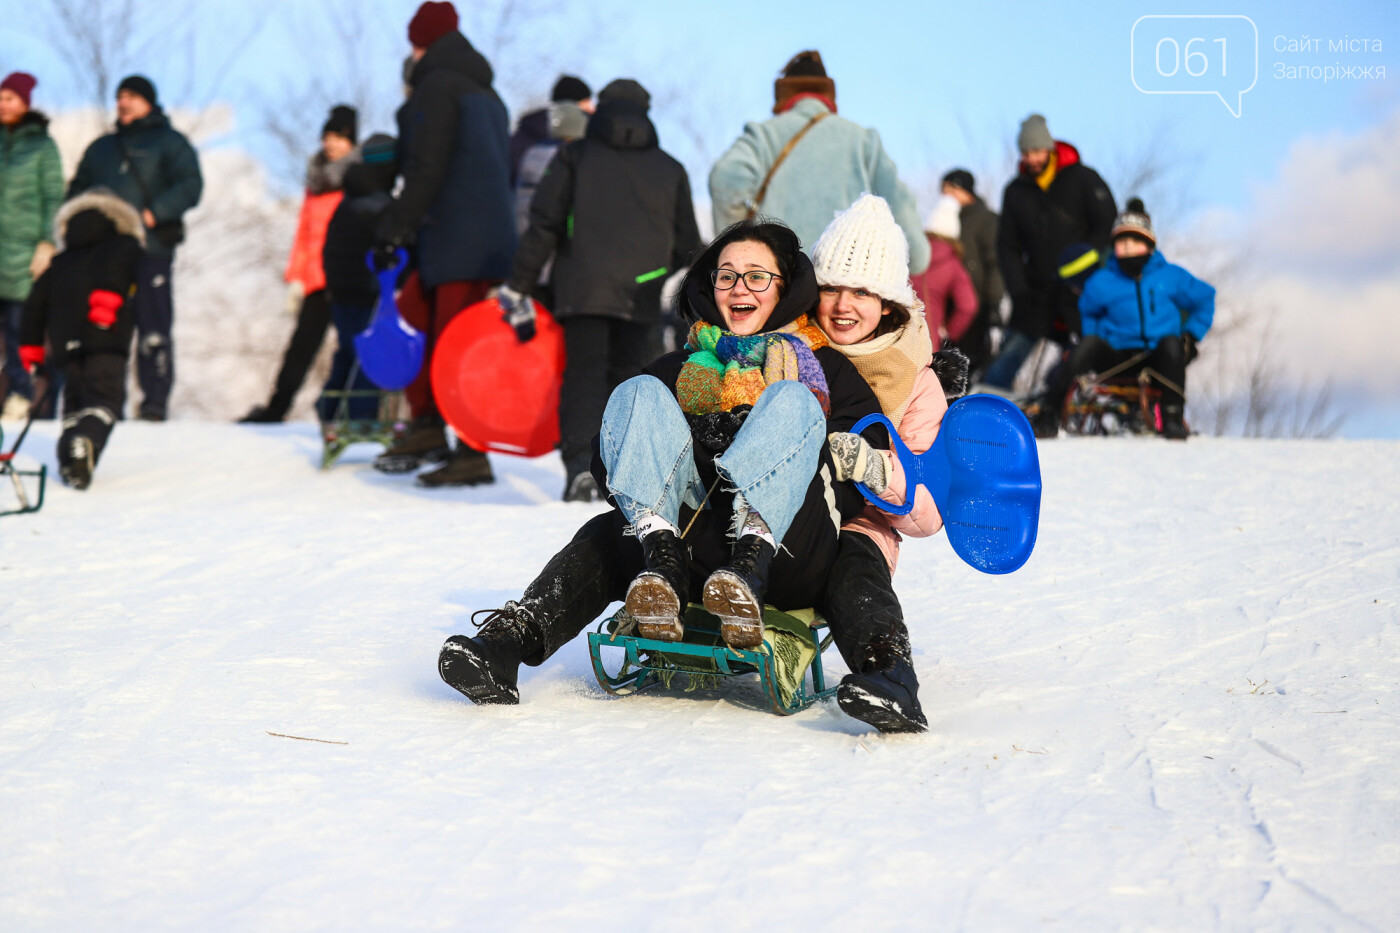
{"type": "Point", "coordinates": [735, 593]}
{"type": "Point", "coordinates": [1046, 422]}
{"type": "Point", "coordinates": [466, 467]}
{"type": "Point", "coordinates": [582, 488]}
{"type": "Point", "coordinates": [885, 693]}
{"type": "Point", "coordinates": [1173, 424]}
{"type": "Point", "coordinates": [485, 668]}
{"type": "Point", "coordinates": [423, 442]}
{"type": "Point", "coordinates": [658, 596]}
{"type": "Point", "coordinates": [262, 414]}
{"type": "Point", "coordinates": [76, 461]}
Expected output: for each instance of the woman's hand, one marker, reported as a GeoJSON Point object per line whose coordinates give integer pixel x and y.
{"type": "Point", "coordinates": [856, 460]}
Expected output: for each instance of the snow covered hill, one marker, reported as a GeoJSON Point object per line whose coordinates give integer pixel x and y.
{"type": "Point", "coordinates": [1180, 715]}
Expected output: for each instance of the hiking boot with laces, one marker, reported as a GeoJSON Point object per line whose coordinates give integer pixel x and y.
{"type": "Point", "coordinates": [735, 593]}
{"type": "Point", "coordinates": [485, 669]}
{"type": "Point", "coordinates": [77, 466]}
{"type": "Point", "coordinates": [885, 692]}
{"type": "Point", "coordinates": [658, 595]}
{"type": "Point", "coordinates": [423, 442]}
{"type": "Point", "coordinates": [466, 467]}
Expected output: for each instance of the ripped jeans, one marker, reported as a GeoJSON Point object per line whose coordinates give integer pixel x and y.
{"type": "Point", "coordinates": [648, 451]}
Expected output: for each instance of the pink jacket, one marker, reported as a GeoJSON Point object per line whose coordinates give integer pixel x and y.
{"type": "Point", "coordinates": [917, 429]}
{"type": "Point", "coordinates": [945, 276]}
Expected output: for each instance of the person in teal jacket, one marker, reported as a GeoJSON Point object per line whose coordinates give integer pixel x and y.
{"type": "Point", "coordinates": [1137, 305]}
{"type": "Point", "coordinates": [831, 164]}
{"type": "Point", "coordinates": [151, 166]}
{"type": "Point", "coordinates": [31, 188]}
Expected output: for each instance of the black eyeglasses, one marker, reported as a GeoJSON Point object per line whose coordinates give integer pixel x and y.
{"type": "Point", "coordinates": [756, 281]}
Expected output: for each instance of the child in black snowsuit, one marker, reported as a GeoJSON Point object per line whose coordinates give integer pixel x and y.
{"type": "Point", "coordinates": [353, 288]}
{"type": "Point", "coordinates": [82, 304]}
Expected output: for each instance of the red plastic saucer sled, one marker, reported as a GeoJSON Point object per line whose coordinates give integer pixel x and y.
{"type": "Point", "coordinates": [497, 393]}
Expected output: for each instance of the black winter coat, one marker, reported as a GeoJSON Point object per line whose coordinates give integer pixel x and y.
{"type": "Point", "coordinates": [454, 155]}
{"type": "Point", "coordinates": [149, 165]}
{"type": "Point", "coordinates": [1035, 228]}
{"type": "Point", "coordinates": [797, 578]}
{"type": "Point", "coordinates": [99, 250]}
{"type": "Point", "coordinates": [532, 130]}
{"type": "Point", "coordinates": [615, 212]}
{"type": "Point", "coordinates": [979, 243]}
{"type": "Point", "coordinates": [350, 235]}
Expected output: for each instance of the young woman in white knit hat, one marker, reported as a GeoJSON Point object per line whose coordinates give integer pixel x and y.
{"type": "Point", "coordinates": [871, 314]}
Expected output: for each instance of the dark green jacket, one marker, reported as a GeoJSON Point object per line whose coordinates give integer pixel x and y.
{"type": "Point", "coordinates": [148, 164]}
{"type": "Point", "coordinates": [31, 188]}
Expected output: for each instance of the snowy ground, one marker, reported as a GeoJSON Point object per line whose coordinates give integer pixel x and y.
{"type": "Point", "coordinates": [1180, 715]}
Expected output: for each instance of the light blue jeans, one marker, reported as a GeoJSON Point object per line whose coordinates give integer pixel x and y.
{"type": "Point", "coordinates": [650, 457]}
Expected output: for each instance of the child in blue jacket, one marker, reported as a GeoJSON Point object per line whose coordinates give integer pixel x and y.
{"type": "Point", "coordinates": [1138, 303]}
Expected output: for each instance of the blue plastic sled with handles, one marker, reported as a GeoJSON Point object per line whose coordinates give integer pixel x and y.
{"type": "Point", "coordinates": [983, 472]}
{"type": "Point", "coordinates": [390, 349]}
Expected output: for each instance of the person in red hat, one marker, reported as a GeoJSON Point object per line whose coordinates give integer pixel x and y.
{"type": "Point", "coordinates": [455, 209]}
{"type": "Point", "coordinates": [31, 188]}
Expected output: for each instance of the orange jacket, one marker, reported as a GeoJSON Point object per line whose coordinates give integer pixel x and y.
{"type": "Point", "coordinates": [304, 264]}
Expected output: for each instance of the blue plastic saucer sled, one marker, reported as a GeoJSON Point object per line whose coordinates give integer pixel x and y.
{"type": "Point", "coordinates": [983, 472]}
{"type": "Point", "coordinates": [390, 349]}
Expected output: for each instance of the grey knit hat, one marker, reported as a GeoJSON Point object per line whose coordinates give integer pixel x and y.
{"type": "Point", "coordinates": [1034, 135]}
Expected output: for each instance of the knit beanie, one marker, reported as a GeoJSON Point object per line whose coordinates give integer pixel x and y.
{"type": "Point", "coordinates": [1078, 261]}
{"type": "Point", "coordinates": [1034, 135]}
{"type": "Point", "coordinates": [628, 90]}
{"type": "Point", "coordinates": [960, 178]}
{"type": "Point", "coordinates": [943, 220]}
{"type": "Point", "coordinates": [139, 85]}
{"type": "Point", "coordinates": [21, 83]}
{"type": "Point", "coordinates": [571, 89]}
{"type": "Point", "coordinates": [1134, 221]}
{"type": "Point", "coordinates": [343, 121]}
{"type": "Point", "coordinates": [434, 19]}
{"type": "Point", "coordinates": [804, 74]}
{"type": "Point", "coordinates": [863, 247]}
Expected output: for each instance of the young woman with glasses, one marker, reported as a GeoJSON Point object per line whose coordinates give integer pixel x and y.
{"type": "Point", "coordinates": [716, 462]}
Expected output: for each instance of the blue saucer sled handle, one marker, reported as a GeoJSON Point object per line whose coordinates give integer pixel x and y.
{"type": "Point", "coordinates": [391, 349]}
{"type": "Point", "coordinates": [983, 472]}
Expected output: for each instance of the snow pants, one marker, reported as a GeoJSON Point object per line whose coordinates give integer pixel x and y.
{"type": "Point", "coordinates": [860, 606]}
{"type": "Point", "coordinates": [155, 318]}
{"type": "Point", "coordinates": [1094, 355]}
{"type": "Point", "coordinates": [313, 319]}
{"type": "Point", "coordinates": [94, 391]}
{"type": "Point", "coordinates": [600, 354]}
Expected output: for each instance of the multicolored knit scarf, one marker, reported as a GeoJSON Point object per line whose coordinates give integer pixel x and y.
{"type": "Point", "coordinates": [726, 371]}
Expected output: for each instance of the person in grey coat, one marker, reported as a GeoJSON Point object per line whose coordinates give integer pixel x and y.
{"type": "Point", "coordinates": [833, 162]}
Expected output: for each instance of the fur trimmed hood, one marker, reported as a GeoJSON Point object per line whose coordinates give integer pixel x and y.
{"type": "Point", "coordinates": [121, 214]}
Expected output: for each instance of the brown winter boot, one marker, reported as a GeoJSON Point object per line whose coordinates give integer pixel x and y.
{"type": "Point", "coordinates": [735, 593]}
{"type": "Point", "coordinates": [466, 467]}
{"type": "Point", "coordinates": [657, 597]}
{"type": "Point", "coordinates": [423, 442]}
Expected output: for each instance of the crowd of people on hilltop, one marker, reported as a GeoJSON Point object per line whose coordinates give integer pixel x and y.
{"type": "Point", "coordinates": [718, 428]}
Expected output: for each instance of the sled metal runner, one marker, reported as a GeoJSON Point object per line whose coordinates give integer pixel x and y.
{"type": "Point", "coordinates": [14, 478]}
{"type": "Point", "coordinates": [342, 431]}
{"type": "Point", "coordinates": [704, 659]}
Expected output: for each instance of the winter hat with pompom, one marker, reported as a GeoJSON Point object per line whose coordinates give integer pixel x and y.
{"type": "Point", "coordinates": [943, 220]}
{"type": "Point", "coordinates": [863, 247]}
{"type": "Point", "coordinates": [1134, 221]}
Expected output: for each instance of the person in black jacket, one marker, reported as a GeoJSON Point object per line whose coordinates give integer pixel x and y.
{"type": "Point", "coordinates": [1055, 200]}
{"type": "Point", "coordinates": [352, 288]}
{"type": "Point", "coordinates": [978, 235]}
{"type": "Point", "coordinates": [735, 455]}
{"type": "Point", "coordinates": [82, 305]}
{"type": "Point", "coordinates": [151, 166]}
{"type": "Point", "coordinates": [614, 211]}
{"type": "Point", "coordinates": [455, 208]}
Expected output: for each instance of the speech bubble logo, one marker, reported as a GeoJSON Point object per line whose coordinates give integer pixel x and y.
{"type": "Point", "coordinates": [1184, 54]}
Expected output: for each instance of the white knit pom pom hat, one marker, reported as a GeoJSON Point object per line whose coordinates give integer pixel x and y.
{"type": "Point", "coordinates": [864, 248]}
{"type": "Point", "coordinates": [945, 218]}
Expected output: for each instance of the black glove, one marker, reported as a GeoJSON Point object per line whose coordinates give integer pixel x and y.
{"type": "Point", "coordinates": [951, 366]}
{"type": "Point", "coordinates": [519, 312]}
{"type": "Point", "coordinates": [385, 255]}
